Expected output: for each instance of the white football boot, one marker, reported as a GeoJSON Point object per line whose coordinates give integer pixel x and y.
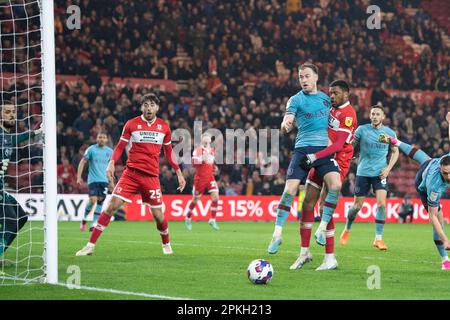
{"type": "Point", "coordinates": [86, 251]}
{"type": "Point", "coordinates": [167, 249]}
{"type": "Point", "coordinates": [328, 264]}
{"type": "Point", "coordinates": [301, 260]}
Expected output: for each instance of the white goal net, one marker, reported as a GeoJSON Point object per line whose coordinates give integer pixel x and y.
{"type": "Point", "coordinates": [22, 240]}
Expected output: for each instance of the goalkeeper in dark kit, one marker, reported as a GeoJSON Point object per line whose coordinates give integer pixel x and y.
{"type": "Point", "coordinates": [12, 215]}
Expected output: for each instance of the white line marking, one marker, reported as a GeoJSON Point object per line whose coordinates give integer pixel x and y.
{"type": "Point", "coordinates": [127, 293]}
{"type": "Point", "coordinates": [113, 291]}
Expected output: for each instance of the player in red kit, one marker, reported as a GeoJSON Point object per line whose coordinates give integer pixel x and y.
{"type": "Point", "coordinates": [147, 135]}
{"type": "Point", "coordinates": [203, 162]}
{"type": "Point", "coordinates": [341, 130]}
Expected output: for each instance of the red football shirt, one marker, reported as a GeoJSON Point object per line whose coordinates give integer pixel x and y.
{"type": "Point", "coordinates": [343, 118]}
{"type": "Point", "coordinates": [146, 140]}
{"type": "Point", "coordinates": [203, 161]}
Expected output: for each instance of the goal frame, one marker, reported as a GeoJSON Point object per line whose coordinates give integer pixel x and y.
{"type": "Point", "coordinates": [50, 148]}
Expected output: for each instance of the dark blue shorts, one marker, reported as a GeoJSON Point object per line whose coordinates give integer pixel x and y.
{"type": "Point", "coordinates": [422, 194]}
{"type": "Point", "coordinates": [322, 166]}
{"type": "Point", "coordinates": [363, 184]}
{"type": "Point", "coordinates": [98, 189]}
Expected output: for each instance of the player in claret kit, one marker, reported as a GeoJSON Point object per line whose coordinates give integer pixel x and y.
{"type": "Point", "coordinates": [147, 135]}
{"type": "Point", "coordinates": [203, 161]}
{"type": "Point", "coordinates": [432, 181]}
{"type": "Point", "coordinates": [342, 124]}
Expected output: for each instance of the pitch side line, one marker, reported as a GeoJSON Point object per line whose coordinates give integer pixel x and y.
{"type": "Point", "coordinates": [113, 291]}
{"type": "Point", "coordinates": [247, 248]}
{"type": "Point", "coordinates": [127, 293]}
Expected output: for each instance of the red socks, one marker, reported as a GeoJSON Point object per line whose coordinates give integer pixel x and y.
{"type": "Point", "coordinates": [102, 223]}
{"type": "Point", "coordinates": [305, 227]}
{"type": "Point", "coordinates": [214, 205]}
{"type": "Point", "coordinates": [191, 207]}
{"type": "Point", "coordinates": [329, 245]}
{"type": "Point", "coordinates": [163, 231]}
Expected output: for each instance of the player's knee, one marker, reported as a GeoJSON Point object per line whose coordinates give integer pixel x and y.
{"type": "Point", "coordinates": [308, 205]}
{"type": "Point", "coordinates": [113, 206]}
{"type": "Point", "coordinates": [290, 189]}
{"type": "Point", "coordinates": [335, 186]}
{"type": "Point", "coordinates": [214, 197]}
{"type": "Point", "coordinates": [100, 201]}
{"type": "Point", "coordinates": [92, 200]}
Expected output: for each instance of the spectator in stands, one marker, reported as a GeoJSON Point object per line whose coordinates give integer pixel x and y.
{"type": "Point", "coordinates": [68, 175]}
{"type": "Point", "coordinates": [83, 124]}
{"type": "Point", "coordinates": [406, 210]}
{"type": "Point", "coordinates": [245, 47]}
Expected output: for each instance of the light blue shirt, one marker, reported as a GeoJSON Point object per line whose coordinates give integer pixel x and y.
{"type": "Point", "coordinates": [373, 154]}
{"type": "Point", "coordinates": [433, 183]}
{"type": "Point", "coordinates": [311, 113]}
{"type": "Point", "coordinates": [98, 159]}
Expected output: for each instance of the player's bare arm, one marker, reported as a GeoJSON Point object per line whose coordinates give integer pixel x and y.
{"type": "Point", "coordinates": [80, 171]}
{"type": "Point", "coordinates": [434, 219]}
{"type": "Point", "coordinates": [287, 124]}
{"type": "Point", "coordinates": [394, 157]}
{"type": "Point", "coordinates": [110, 171]}
{"type": "Point", "coordinates": [181, 180]}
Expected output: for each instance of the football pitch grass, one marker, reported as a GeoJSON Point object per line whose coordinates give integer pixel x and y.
{"type": "Point", "coordinates": [209, 264]}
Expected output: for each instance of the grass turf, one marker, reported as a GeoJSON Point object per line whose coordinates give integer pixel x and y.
{"type": "Point", "coordinates": [210, 264]}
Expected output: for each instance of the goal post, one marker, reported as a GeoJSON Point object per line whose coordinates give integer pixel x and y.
{"type": "Point", "coordinates": [50, 149]}
{"type": "Point", "coordinates": [28, 143]}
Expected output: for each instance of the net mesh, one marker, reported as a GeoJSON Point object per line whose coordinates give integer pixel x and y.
{"type": "Point", "coordinates": [22, 180]}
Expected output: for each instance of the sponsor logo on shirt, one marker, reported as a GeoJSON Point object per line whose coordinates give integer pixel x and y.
{"type": "Point", "coordinates": [433, 196]}
{"type": "Point", "coordinates": [147, 137]}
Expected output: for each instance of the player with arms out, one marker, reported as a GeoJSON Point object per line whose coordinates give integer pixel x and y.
{"type": "Point", "coordinates": [12, 215]}
{"type": "Point", "coordinates": [432, 181]}
{"type": "Point", "coordinates": [310, 109]}
{"type": "Point", "coordinates": [204, 164]}
{"type": "Point", "coordinates": [373, 170]}
{"type": "Point", "coordinates": [342, 124]}
{"type": "Point", "coordinates": [147, 135]}
{"type": "Point", "coordinates": [97, 156]}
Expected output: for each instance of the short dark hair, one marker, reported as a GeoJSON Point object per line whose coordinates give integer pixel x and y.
{"type": "Point", "coordinates": [377, 106]}
{"type": "Point", "coordinates": [341, 84]}
{"type": "Point", "coordinates": [313, 67]}
{"type": "Point", "coordinates": [150, 97]}
{"type": "Point", "coordinates": [7, 103]}
{"type": "Point", "coordinates": [445, 160]}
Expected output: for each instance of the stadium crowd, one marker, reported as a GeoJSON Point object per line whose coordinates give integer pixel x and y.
{"type": "Point", "coordinates": [236, 65]}
{"type": "Point", "coordinates": [239, 39]}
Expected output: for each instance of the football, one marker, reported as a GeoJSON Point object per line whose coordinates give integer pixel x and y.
{"type": "Point", "coordinates": [260, 271]}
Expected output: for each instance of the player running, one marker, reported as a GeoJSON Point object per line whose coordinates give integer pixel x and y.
{"type": "Point", "coordinates": [373, 170]}
{"type": "Point", "coordinates": [97, 156]}
{"type": "Point", "coordinates": [310, 109]}
{"type": "Point", "coordinates": [12, 215]}
{"type": "Point", "coordinates": [341, 129]}
{"type": "Point", "coordinates": [147, 133]}
{"type": "Point", "coordinates": [432, 181]}
{"type": "Point", "coordinates": [203, 161]}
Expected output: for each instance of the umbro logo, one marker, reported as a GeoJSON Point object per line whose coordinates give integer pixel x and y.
{"type": "Point", "coordinates": [139, 126]}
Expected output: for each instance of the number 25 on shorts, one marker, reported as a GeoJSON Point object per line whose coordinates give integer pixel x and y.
{"type": "Point", "coordinates": [155, 194]}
